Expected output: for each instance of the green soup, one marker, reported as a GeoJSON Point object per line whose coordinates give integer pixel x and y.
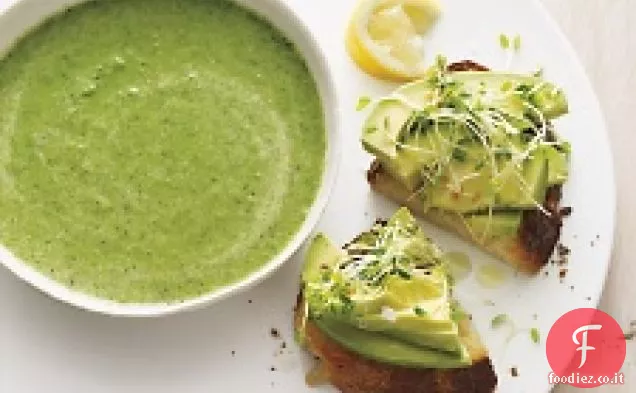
{"type": "Point", "coordinates": [154, 150]}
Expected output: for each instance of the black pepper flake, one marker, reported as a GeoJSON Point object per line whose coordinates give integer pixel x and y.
{"type": "Point", "coordinates": [283, 345]}
{"type": "Point", "coordinates": [514, 371]}
{"type": "Point", "coordinates": [272, 369]}
{"type": "Point", "coordinates": [274, 333]}
{"type": "Point", "coordinates": [572, 288]}
{"type": "Point", "coordinates": [249, 301]}
{"type": "Point", "coordinates": [233, 353]}
{"type": "Point", "coordinates": [563, 273]}
{"type": "Point", "coordinates": [589, 298]}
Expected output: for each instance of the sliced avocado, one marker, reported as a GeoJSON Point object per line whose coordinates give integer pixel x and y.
{"type": "Point", "coordinates": [502, 86]}
{"type": "Point", "coordinates": [379, 137]}
{"type": "Point", "coordinates": [558, 165]}
{"type": "Point", "coordinates": [490, 89]}
{"type": "Point", "coordinates": [402, 218]}
{"type": "Point", "coordinates": [402, 294]}
{"type": "Point", "coordinates": [497, 225]}
{"type": "Point", "coordinates": [413, 323]}
{"type": "Point", "coordinates": [419, 330]}
{"type": "Point", "coordinates": [525, 188]}
{"type": "Point", "coordinates": [321, 255]}
{"type": "Point", "coordinates": [386, 349]}
{"type": "Point", "coordinates": [465, 184]}
{"type": "Point", "coordinates": [382, 127]}
{"type": "Point", "coordinates": [550, 100]}
{"type": "Point", "coordinates": [402, 145]}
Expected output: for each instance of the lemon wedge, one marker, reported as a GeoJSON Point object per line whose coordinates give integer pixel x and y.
{"type": "Point", "coordinates": [385, 37]}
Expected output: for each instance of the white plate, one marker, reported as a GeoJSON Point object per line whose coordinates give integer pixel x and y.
{"type": "Point", "coordinates": [46, 346]}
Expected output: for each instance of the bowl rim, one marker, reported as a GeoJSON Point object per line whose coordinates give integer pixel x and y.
{"type": "Point", "coordinates": [314, 56]}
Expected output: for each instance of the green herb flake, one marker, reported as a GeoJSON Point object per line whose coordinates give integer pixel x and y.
{"type": "Point", "coordinates": [504, 41]}
{"type": "Point", "coordinates": [516, 43]}
{"type": "Point", "coordinates": [499, 320]}
{"type": "Point", "coordinates": [459, 154]}
{"type": "Point", "coordinates": [419, 311]}
{"type": "Point", "coordinates": [506, 86]}
{"type": "Point", "coordinates": [458, 315]}
{"type": "Point", "coordinates": [363, 102]}
{"type": "Point", "coordinates": [535, 336]}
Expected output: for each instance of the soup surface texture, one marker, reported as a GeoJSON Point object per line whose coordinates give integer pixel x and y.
{"type": "Point", "coordinates": [154, 150]}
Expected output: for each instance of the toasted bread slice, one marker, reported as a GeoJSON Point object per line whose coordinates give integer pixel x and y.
{"type": "Point", "coordinates": [527, 252]}
{"type": "Point", "coordinates": [538, 233]}
{"type": "Point", "coordinates": [352, 373]}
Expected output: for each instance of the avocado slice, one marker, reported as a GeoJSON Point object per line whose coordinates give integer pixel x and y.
{"type": "Point", "coordinates": [550, 100]}
{"type": "Point", "coordinates": [385, 349]}
{"type": "Point", "coordinates": [417, 330]}
{"type": "Point", "coordinates": [389, 134]}
{"type": "Point", "coordinates": [494, 226]}
{"type": "Point", "coordinates": [321, 255]}
{"type": "Point", "coordinates": [465, 184]}
{"type": "Point", "coordinates": [547, 98]}
{"type": "Point", "coordinates": [558, 164]}
{"type": "Point", "coordinates": [526, 188]}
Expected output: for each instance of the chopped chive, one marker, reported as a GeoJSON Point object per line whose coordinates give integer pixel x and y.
{"type": "Point", "coordinates": [458, 315]}
{"type": "Point", "coordinates": [499, 320]}
{"type": "Point", "coordinates": [459, 154]}
{"type": "Point", "coordinates": [419, 311]}
{"type": "Point", "coordinates": [535, 336]}
{"type": "Point", "coordinates": [363, 102]}
{"type": "Point", "coordinates": [504, 41]}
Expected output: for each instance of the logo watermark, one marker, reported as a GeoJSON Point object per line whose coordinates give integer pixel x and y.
{"type": "Point", "coordinates": [576, 379]}
{"type": "Point", "coordinates": [586, 348]}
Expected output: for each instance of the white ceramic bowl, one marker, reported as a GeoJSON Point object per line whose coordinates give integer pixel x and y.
{"type": "Point", "coordinates": [27, 14]}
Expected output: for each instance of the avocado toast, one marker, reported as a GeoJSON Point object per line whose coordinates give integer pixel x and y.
{"type": "Point", "coordinates": [380, 316]}
{"type": "Point", "coordinates": [474, 151]}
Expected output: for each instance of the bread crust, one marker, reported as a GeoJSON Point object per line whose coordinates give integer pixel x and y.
{"type": "Point", "coordinates": [528, 252]}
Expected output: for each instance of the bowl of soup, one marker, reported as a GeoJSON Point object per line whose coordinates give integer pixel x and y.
{"type": "Point", "coordinates": [159, 155]}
